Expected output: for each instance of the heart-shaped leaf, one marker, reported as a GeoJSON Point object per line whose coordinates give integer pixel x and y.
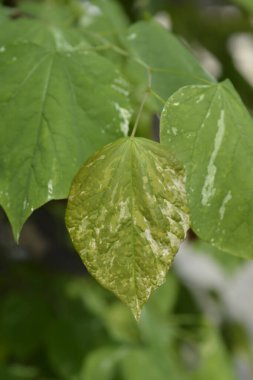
{"type": "Point", "coordinates": [55, 95]}
{"type": "Point", "coordinates": [126, 215]}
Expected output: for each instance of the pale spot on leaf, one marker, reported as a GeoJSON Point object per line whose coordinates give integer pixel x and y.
{"type": "Point", "coordinates": [222, 209]}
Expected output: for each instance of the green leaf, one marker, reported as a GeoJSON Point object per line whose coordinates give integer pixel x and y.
{"type": "Point", "coordinates": [209, 129]}
{"type": "Point", "coordinates": [39, 33]}
{"type": "Point", "coordinates": [167, 62]}
{"type": "Point", "coordinates": [228, 263]}
{"type": "Point", "coordinates": [104, 24]}
{"type": "Point", "coordinates": [103, 18]}
{"type": "Point", "coordinates": [126, 216]}
{"type": "Point", "coordinates": [59, 103]}
{"type": "Point", "coordinates": [57, 12]}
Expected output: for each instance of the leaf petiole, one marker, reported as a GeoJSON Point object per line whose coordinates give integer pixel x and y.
{"type": "Point", "coordinates": [146, 94]}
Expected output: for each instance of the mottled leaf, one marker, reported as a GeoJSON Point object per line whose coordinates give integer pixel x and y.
{"type": "Point", "coordinates": [209, 129]}
{"type": "Point", "coordinates": [58, 104]}
{"type": "Point", "coordinates": [127, 215]}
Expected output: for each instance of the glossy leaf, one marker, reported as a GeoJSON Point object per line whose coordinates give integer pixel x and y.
{"type": "Point", "coordinates": [127, 215]}
{"type": "Point", "coordinates": [59, 103]}
{"type": "Point", "coordinates": [209, 129]}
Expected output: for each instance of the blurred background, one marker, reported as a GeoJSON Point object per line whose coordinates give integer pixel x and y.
{"type": "Point", "coordinates": [57, 323]}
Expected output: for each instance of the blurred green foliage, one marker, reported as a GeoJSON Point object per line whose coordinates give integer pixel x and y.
{"type": "Point", "coordinates": [67, 327]}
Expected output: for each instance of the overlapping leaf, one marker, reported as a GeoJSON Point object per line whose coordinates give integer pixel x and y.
{"type": "Point", "coordinates": [126, 215]}
{"type": "Point", "coordinates": [209, 129]}
{"type": "Point", "coordinates": [55, 12]}
{"type": "Point", "coordinates": [105, 19]}
{"type": "Point", "coordinates": [46, 35]}
{"type": "Point", "coordinates": [170, 65]}
{"type": "Point", "coordinates": [58, 103]}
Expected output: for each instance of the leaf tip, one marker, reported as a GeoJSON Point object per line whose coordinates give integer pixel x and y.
{"type": "Point", "coordinates": [16, 233]}
{"type": "Point", "coordinates": [136, 313]}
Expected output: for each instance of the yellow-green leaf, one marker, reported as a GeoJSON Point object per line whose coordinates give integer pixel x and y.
{"type": "Point", "coordinates": [126, 215]}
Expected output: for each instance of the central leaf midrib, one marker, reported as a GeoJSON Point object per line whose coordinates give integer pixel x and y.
{"type": "Point", "coordinates": [132, 227]}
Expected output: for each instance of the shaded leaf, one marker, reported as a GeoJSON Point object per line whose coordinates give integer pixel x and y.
{"type": "Point", "coordinates": [59, 102]}
{"type": "Point", "coordinates": [169, 64]}
{"type": "Point", "coordinates": [38, 32]}
{"type": "Point", "coordinates": [106, 19]}
{"type": "Point", "coordinates": [104, 25]}
{"type": "Point", "coordinates": [127, 215]}
{"type": "Point", "coordinates": [209, 129]}
{"type": "Point", "coordinates": [56, 12]}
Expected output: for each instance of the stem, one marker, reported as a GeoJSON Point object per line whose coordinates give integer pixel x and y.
{"type": "Point", "coordinates": [158, 97]}
{"type": "Point", "coordinates": [139, 113]}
